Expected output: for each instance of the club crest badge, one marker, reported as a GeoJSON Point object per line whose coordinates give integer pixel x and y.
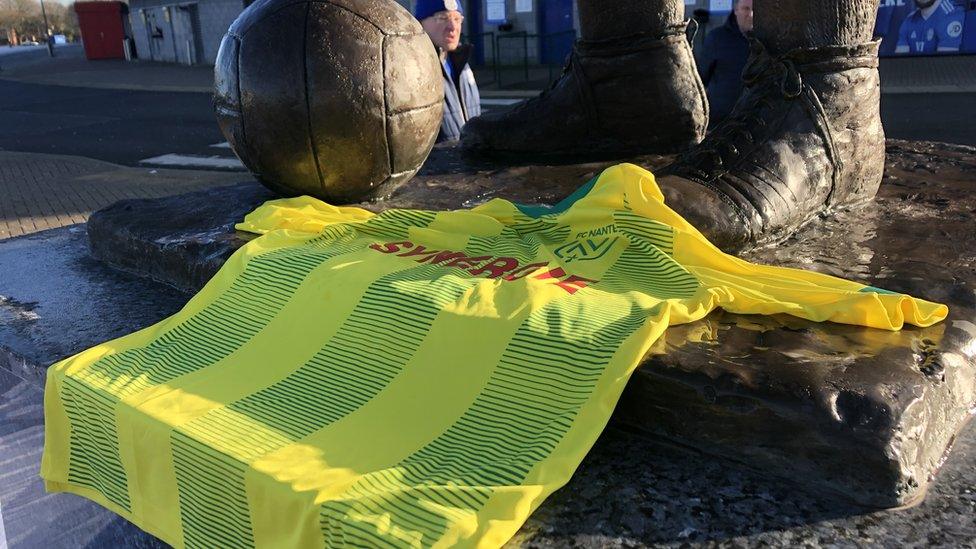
{"type": "Point", "coordinates": [954, 30]}
{"type": "Point", "coordinates": [588, 249]}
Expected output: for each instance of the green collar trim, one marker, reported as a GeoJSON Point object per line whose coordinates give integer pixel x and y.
{"type": "Point", "coordinates": [536, 211]}
{"type": "Point", "coordinates": [873, 290]}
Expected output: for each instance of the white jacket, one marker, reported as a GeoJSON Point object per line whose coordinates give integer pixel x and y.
{"type": "Point", "coordinates": [461, 103]}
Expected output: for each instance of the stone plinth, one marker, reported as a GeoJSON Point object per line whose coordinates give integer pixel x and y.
{"type": "Point", "coordinates": [56, 300]}
{"type": "Point", "coordinates": [861, 413]}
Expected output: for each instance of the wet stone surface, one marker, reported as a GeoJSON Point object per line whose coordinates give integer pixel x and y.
{"type": "Point", "coordinates": [865, 413]}
{"type": "Point", "coordinates": [56, 300]}
{"type": "Point", "coordinates": [180, 240]}
{"type": "Point", "coordinates": [820, 415]}
{"type": "Point", "coordinates": [31, 518]}
{"type": "Point", "coordinates": [635, 492]}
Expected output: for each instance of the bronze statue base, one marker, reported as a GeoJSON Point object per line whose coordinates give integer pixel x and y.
{"type": "Point", "coordinates": [865, 414]}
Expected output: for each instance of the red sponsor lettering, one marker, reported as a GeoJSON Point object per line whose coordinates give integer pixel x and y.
{"type": "Point", "coordinates": [419, 250]}
{"type": "Point", "coordinates": [442, 257]}
{"type": "Point", "coordinates": [575, 283]}
{"type": "Point", "coordinates": [497, 267]}
{"type": "Point", "coordinates": [525, 271]}
{"type": "Point", "coordinates": [468, 262]}
{"type": "Point", "coordinates": [391, 247]}
{"type": "Point", "coordinates": [505, 268]}
{"type": "Point", "coordinates": [558, 272]}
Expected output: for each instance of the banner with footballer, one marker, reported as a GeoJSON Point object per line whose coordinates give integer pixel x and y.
{"type": "Point", "coordinates": [926, 27]}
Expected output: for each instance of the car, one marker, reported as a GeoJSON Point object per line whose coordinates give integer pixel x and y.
{"type": "Point", "coordinates": [30, 43]}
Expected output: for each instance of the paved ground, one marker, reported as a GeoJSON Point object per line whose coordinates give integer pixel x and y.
{"type": "Point", "coordinates": [13, 58]}
{"type": "Point", "coordinates": [128, 127]}
{"type": "Point", "coordinates": [947, 74]}
{"type": "Point", "coordinates": [134, 114]}
{"type": "Point", "coordinates": [150, 131]}
{"type": "Point", "coordinates": [39, 192]}
{"type": "Point", "coordinates": [69, 67]}
{"type": "Point", "coordinates": [120, 126]}
{"type": "Point", "coordinates": [177, 129]}
{"type": "Point", "coordinates": [14, 50]}
{"type": "Point", "coordinates": [127, 113]}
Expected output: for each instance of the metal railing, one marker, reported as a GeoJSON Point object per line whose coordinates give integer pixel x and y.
{"type": "Point", "coordinates": [515, 57]}
{"type": "Point", "coordinates": [553, 41]}
{"type": "Point", "coordinates": [484, 41]}
{"type": "Point", "coordinates": [509, 53]}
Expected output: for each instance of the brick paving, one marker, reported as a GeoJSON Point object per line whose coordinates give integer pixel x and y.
{"type": "Point", "coordinates": [40, 192]}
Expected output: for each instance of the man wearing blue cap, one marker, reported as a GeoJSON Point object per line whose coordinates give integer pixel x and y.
{"type": "Point", "coordinates": [442, 20]}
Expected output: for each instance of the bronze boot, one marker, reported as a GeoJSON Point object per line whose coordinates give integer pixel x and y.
{"type": "Point", "coordinates": [630, 87]}
{"type": "Point", "coordinates": [804, 137]}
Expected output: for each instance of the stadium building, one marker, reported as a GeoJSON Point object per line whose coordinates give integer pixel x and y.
{"type": "Point", "coordinates": [514, 39]}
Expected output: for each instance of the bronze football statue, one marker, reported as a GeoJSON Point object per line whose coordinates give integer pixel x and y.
{"type": "Point", "coordinates": [347, 102]}
{"type": "Point", "coordinates": [338, 99]}
{"type": "Point", "coordinates": [805, 135]}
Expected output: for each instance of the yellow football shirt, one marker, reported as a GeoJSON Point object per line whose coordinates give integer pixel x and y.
{"type": "Point", "coordinates": [409, 378]}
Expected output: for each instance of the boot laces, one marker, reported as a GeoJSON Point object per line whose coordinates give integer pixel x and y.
{"type": "Point", "coordinates": [767, 82]}
{"type": "Point", "coordinates": [567, 68]}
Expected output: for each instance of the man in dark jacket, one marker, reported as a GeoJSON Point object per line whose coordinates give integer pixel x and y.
{"type": "Point", "coordinates": [723, 57]}
{"type": "Point", "coordinates": [442, 20]}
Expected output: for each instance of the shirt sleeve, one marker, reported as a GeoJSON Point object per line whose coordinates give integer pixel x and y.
{"type": "Point", "coordinates": [903, 46]}
{"type": "Point", "coordinates": [747, 288]}
{"type": "Point", "coordinates": [950, 33]}
{"type": "Point", "coordinates": [303, 214]}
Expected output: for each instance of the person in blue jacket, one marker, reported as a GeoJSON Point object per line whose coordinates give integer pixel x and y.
{"type": "Point", "coordinates": [442, 20]}
{"type": "Point", "coordinates": [934, 27]}
{"type": "Point", "coordinates": [722, 60]}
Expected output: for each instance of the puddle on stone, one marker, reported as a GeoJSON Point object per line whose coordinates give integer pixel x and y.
{"type": "Point", "coordinates": [18, 311]}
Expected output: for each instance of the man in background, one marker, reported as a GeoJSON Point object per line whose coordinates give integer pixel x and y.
{"type": "Point", "coordinates": [442, 20]}
{"type": "Point", "coordinates": [934, 27]}
{"type": "Point", "coordinates": [722, 60]}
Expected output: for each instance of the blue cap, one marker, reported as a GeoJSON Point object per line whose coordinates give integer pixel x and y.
{"type": "Point", "coordinates": [426, 8]}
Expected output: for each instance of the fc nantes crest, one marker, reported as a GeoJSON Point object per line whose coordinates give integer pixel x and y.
{"type": "Point", "coordinates": [587, 249]}
{"type": "Point", "coordinates": [589, 245]}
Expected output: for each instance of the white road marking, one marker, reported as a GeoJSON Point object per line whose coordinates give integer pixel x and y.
{"type": "Point", "coordinates": [3, 536]}
{"type": "Point", "coordinates": [221, 145]}
{"type": "Point", "coordinates": [500, 102]}
{"type": "Point", "coordinates": [195, 161]}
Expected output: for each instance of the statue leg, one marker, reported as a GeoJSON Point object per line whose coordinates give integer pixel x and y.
{"type": "Point", "coordinates": [630, 87]}
{"type": "Point", "coordinates": [804, 137]}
